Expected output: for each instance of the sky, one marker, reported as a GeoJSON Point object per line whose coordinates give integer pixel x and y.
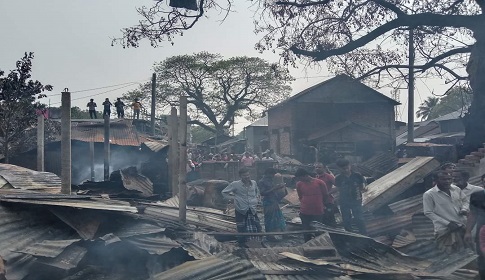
{"type": "Point", "coordinates": [71, 41]}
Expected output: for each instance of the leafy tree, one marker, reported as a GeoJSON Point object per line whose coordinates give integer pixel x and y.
{"type": "Point", "coordinates": [456, 99]}
{"type": "Point", "coordinates": [365, 38]}
{"type": "Point", "coordinates": [19, 96]}
{"type": "Point", "coordinates": [219, 90]}
{"type": "Point", "coordinates": [200, 134]}
{"type": "Point", "coordinates": [425, 109]}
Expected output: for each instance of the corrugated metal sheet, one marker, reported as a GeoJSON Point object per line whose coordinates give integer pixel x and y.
{"type": "Point", "coordinates": [441, 262]}
{"type": "Point", "coordinates": [170, 215]}
{"type": "Point", "coordinates": [383, 190]}
{"type": "Point", "coordinates": [155, 146]}
{"type": "Point", "coordinates": [122, 132]}
{"type": "Point", "coordinates": [96, 204]}
{"type": "Point", "coordinates": [221, 266]}
{"type": "Point", "coordinates": [48, 248]}
{"type": "Point", "coordinates": [157, 244]}
{"type": "Point", "coordinates": [422, 227]}
{"type": "Point", "coordinates": [409, 205]}
{"type": "Point", "coordinates": [132, 180]}
{"type": "Point", "coordinates": [27, 179]}
{"type": "Point", "coordinates": [20, 230]}
{"type": "Point", "coordinates": [387, 224]}
{"type": "Point", "coordinates": [131, 228]}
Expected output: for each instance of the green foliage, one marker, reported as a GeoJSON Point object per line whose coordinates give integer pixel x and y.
{"type": "Point", "coordinates": [77, 113]}
{"type": "Point", "coordinates": [455, 99]}
{"type": "Point", "coordinates": [200, 134]}
{"type": "Point", "coordinates": [219, 89]}
{"type": "Point", "coordinates": [425, 109]}
{"type": "Point", "coordinates": [19, 96]}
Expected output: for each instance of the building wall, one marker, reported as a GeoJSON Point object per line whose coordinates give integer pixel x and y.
{"type": "Point", "coordinates": [254, 135]}
{"type": "Point", "coordinates": [281, 129]}
{"type": "Point", "coordinates": [290, 125]}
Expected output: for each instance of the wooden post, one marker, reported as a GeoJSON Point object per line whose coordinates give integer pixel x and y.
{"type": "Point", "coordinates": [40, 142]}
{"type": "Point", "coordinates": [91, 155]}
{"type": "Point", "coordinates": [106, 148]}
{"type": "Point", "coordinates": [183, 159]}
{"type": "Point", "coordinates": [154, 89]}
{"type": "Point", "coordinates": [66, 142]}
{"type": "Point", "coordinates": [174, 151]}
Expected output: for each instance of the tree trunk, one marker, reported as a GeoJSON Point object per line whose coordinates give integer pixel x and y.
{"type": "Point", "coordinates": [475, 119]}
{"type": "Point", "coordinates": [5, 153]}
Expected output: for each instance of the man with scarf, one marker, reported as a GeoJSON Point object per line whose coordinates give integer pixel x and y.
{"type": "Point", "coordinates": [245, 194]}
{"type": "Point", "coordinates": [272, 192]}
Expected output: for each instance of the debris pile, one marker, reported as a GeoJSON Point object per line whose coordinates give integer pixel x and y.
{"type": "Point", "coordinates": [47, 235]}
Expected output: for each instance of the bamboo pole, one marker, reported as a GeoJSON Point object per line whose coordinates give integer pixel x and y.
{"type": "Point", "coordinates": [66, 142]}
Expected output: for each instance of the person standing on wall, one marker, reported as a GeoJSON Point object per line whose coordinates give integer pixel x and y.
{"type": "Point", "coordinates": [136, 109]}
{"type": "Point", "coordinates": [120, 108]}
{"type": "Point", "coordinates": [107, 107]}
{"type": "Point", "coordinates": [92, 109]}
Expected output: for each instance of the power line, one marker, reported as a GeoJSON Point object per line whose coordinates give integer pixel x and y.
{"type": "Point", "coordinates": [91, 89]}
{"type": "Point", "coordinates": [96, 94]}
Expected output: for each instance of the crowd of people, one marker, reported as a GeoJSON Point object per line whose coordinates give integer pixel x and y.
{"type": "Point", "coordinates": [315, 192]}
{"type": "Point", "coordinates": [119, 105]}
{"type": "Point", "coordinates": [247, 159]}
{"type": "Point", "coordinates": [455, 207]}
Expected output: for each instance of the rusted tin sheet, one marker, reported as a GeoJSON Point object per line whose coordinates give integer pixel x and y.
{"type": "Point", "coordinates": [132, 180]}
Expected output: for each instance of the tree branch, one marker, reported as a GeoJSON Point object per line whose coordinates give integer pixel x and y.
{"type": "Point", "coordinates": [301, 5]}
{"type": "Point", "coordinates": [427, 19]}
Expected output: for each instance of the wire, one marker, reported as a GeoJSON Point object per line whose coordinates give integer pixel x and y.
{"type": "Point", "coordinates": [84, 90]}
{"type": "Point", "coordinates": [96, 94]}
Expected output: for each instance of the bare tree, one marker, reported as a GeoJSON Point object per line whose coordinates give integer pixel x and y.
{"type": "Point", "coordinates": [365, 38]}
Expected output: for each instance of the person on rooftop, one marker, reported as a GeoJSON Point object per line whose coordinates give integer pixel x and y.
{"type": "Point", "coordinates": [92, 109]}
{"type": "Point", "coordinates": [107, 107]}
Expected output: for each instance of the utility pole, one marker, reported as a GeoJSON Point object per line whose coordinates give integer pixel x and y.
{"type": "Point", "coordinates": [66, 142]}
{"type": "Point", "coordinates": [91, 158]}
{"type": "Point", "coordinates": [411, 88]}
{"type": "Point", "coordinates": [154, 88]}
{"type": "Point", "coordinates": [106, 148]}
{"type": "Point", "coordinates": [183, 159]}
{"type": "Point", "coordinates": [174, 149]}
{"type": "Point", "coordinates": [40, 142]}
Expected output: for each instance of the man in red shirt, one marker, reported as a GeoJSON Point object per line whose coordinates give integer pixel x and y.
{"type": "Point", "coordinates": [324, 174]}
{"type": "Point", "coordinates": [313, 195]}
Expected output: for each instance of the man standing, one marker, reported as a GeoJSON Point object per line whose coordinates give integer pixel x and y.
{"type": "Point", "coordinates": [107, 107]}
{"type": "Point", "coordinates": [313, 195]}
{"type": "Point", "coordinates": [272, 192]}
{"type": "Point", "coordinates": [446, 206]}
{"type": "Point", "coordinates": [245, 194]}
{"type": "Point", "coordinates": [477, 217]}
{"type": "Point", "coordinates": [120, 108]}
{"type": "Point", "coordinates": [350, 185]}
{"type": "Point", "coordinates": [92, 109]}
{"type": "Point", "coordinates": [461, 180]}
{"type": "Point", "coordinates": [324, 174]}
{"type": "Point", "coordinates": [136, 109]}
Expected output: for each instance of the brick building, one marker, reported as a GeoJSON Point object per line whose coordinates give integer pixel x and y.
{"type": "Point", "coordinates": [340, 116]}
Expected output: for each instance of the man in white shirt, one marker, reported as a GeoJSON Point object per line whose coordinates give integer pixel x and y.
{"type": "Point", "coordinates": [461, 180]}
{"type": "Point", "coordinates": [247, 160]}
{"type": "Point", "coordinates": [246, 196]}
{"type": "Point", "coordinates": [446, 206]}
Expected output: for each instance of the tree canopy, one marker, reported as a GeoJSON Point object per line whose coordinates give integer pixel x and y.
{"type": "Point", "coordinates": [364, 38]}
{"type": "Point", "coordinates": [218, 89]}
{"type": "Point", "coordinates": [19, 103]}
{"type": "Point", "coordinates": [458, 98]}
{"type": "Point", "coordinates": [425, 109]}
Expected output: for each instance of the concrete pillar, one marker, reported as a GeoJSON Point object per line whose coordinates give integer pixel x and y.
{"type": "Point", "coordinates": [66, 142]}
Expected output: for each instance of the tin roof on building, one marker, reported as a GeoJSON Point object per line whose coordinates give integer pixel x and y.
{"type": "Point", "coordinates": [122, 132]}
